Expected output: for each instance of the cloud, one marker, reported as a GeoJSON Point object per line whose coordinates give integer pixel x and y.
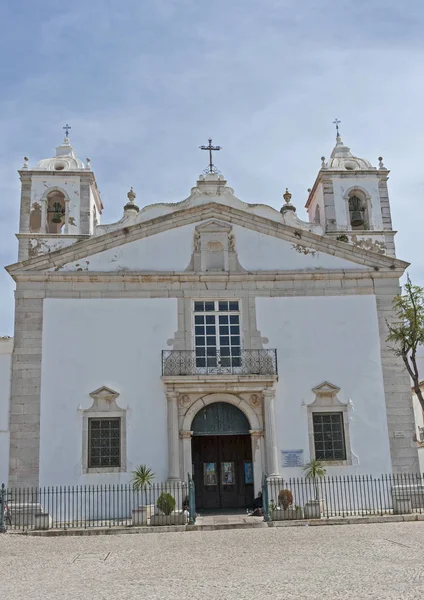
{"type": "Point", "coordinates": [143, 84]}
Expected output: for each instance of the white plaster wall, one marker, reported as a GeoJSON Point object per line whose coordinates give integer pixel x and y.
{"type": "Point", "coordinates": [258, 251]}
{"type": "Point", "coordinates": [419, 422]}
{"type": "Point", "coordinates": [318, 199]}
{"type": "Point", "coordinates": [43, 245]}
{"type": "Point", "coordinates": [335, 339]}
{"type": "Point", "coordinates": [6, 348]}
{"type": "Point", "coordinates": [166, 251]}
{"type": "Point", "coordinates": [368, 183]}
{"type": "Point", "coordinates": [111, 342]}
{"type": "Point", "coordinates": [418, 413]}
{"type": "Point", "coordinates": [69, 184]}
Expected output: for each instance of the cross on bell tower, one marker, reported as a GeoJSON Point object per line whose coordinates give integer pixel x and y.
{"type": "Point", "coordinates": [337, 122]}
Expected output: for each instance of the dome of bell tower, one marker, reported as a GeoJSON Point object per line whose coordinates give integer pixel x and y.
{"type": "Point", "coordinates": [342, 159]}
{"type": "Point", "coordinates": [65, 159]}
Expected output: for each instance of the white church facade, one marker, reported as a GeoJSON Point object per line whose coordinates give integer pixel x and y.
{"type": "Point", "coordinates": [207, 337]}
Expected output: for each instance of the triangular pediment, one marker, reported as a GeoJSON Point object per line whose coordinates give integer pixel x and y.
{"type": "Point", "coordinates": [214, 226]}
{"type": "Point", "coordinates": [326, 388]}
{"type": "Point", "coordinates": [212, 217]}
{"type": "Point", "coordinates": [104, 392]}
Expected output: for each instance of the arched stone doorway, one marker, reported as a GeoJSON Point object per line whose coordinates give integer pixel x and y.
{"type": "Point", "coordinates": [222, 457]}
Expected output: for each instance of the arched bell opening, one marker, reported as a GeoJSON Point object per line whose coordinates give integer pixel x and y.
{"type": "Point", "coordinates": [56, 208]}
{"type": "Point", "coordinates": [358, 210]}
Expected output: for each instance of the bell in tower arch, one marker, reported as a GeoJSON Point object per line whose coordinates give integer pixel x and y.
{"type": "Point", "coordinates": [356, 211]}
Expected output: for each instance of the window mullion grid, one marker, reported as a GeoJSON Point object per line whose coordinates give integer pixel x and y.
{"type": "Point", "coordinates": [209, 342]}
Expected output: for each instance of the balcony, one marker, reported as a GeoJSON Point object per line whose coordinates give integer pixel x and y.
{"type": "Point", "coordinates": [247, 362]}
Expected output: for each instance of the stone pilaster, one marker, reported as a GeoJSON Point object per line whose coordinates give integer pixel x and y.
{"type": "Point", "coordinates": [24, 214]}
{"type": "Point", "coordinates": [173, 437]}
{"type": "Point", "coordinates": [329, 205]}
{"type": "Point", "coordinates": [383, 193]}
{"type": "Point", "coordinates": [187, 456]}
{"type": "Point", "coordinates": [25, 392]}
{"type": "Point", "coordinates": [397, 389]}
{"type": "Point", "coordinates": [257, 437]}
{"type": "Point", "coordinates": [84, 218]}
{"type": "Point", "coordinates": [270, 433]}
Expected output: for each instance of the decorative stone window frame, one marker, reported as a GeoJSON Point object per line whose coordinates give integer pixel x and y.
{"type": "Point", "coordinates": [326, 401]}
{"type": "Point", "coordinates": [365, 197]}
{"type": "Point", "coordinates": [104, 406]}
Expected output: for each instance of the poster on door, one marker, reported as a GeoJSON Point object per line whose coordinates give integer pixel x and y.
{"type": "Point", "coordinates": [227, 473]}
{"type": "Point", "coordinates": [248, 472]}
{"type": "Point", "coordinates": [210, 476]}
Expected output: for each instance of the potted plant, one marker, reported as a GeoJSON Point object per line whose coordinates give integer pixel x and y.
{"type": "Point", "coordinates": [166, 505]}
{"type": "Point", "coordinates": [314, 470]}
{"type": "Point", "coordinates": [142, 479]}
{"type": "Point", "coordinates": [285, 509]}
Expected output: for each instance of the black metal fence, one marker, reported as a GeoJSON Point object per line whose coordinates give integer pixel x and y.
{"type": "Point", "coordinates": [219, 362]}
{"type": "Point", "coordinates": [66, 507]}
{"type": "Point", "coordinates": [342, 496]}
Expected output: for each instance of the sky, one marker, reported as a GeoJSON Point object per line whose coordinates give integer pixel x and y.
{"type": "Point", "coordinates": [143, 83]}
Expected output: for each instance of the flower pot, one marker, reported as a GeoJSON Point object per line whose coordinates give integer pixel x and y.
{"type": "Point", "coordinates": [172, 519]}
{"type": "Point", "coordinates": [141, 514]}
{"type": "Point", "coordinates": [291, 513]}
{"type": "Point", "coordinates": [312, 509]}
{"type": "Point", "coordinates": [402, 505]}
{"type": "Point", "coordinates": [43, 521]}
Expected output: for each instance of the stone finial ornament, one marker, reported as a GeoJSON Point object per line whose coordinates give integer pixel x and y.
{"type": "Point", "coordinates": [323, 165]}
{"type": "Point", "coordinates": [130, 205]}
{"type": "Point", "coordinates": [131, 195]}
{"type": "Point", "coordinates": [25, 165]}
{"type": "Point", "coordinates": [287, 206]}
{"type": "Point", "coordinates": [88, 164]}
{"type": "Point", "coordinates": [380, 163]}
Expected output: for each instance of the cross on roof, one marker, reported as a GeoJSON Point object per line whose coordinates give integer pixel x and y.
{"type": "Point", "coordinates": [211, 149]}
{"type": "Point", "coordinates": [67, 128]}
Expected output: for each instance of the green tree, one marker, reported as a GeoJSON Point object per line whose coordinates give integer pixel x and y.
{"type": "Point", "coordinates": [314, 470]}
{"type": "Point", "coordinates": [407, 332]}
{"type": "Point", "coordinates": [142, 478]}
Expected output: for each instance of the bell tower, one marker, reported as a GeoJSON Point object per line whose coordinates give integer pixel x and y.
{"type": "Point", "coordinates": [350, 200]}
{"type": "Point", "coordinates": [60, 202]}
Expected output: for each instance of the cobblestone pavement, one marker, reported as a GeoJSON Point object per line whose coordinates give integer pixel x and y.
{"type": "Point", "coordinates": [348, 562]}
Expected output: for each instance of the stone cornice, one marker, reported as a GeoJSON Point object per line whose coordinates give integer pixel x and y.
{"type": "Point", "coordinates": [193, 277]}
{"type": "Point", "coordinates": [94, 245]}
{"type": "Point", "coordinates": [219, 383]}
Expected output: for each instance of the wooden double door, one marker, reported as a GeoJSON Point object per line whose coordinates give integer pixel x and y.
{"type": "Point", "coordinates": [222, 471]}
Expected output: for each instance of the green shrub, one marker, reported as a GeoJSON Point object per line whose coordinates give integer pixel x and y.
{"type": "Point", "coordinates": [166, 503]}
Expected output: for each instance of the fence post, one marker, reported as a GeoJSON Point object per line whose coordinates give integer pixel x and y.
{"type": "Point", "coordinates": [2, 503]}
{"type": "Point", "coordinates": [265, 498]}
{"type": "Point", "coordinates": [191, 501]}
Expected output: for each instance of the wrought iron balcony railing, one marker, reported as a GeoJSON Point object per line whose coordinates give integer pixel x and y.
{"type": "Point", "coordinates": [246, 362]}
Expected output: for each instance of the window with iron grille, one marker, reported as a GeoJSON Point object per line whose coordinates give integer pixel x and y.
{"type": "Point", "coordinates": [104, 442]}
{"type": "Point", "coordinates": [329, 438]}
{"type": "Point", "coordinates": [217, 333]}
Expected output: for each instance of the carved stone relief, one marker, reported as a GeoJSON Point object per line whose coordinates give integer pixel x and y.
{"type": "Point", "coordinates": [214, 248]}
